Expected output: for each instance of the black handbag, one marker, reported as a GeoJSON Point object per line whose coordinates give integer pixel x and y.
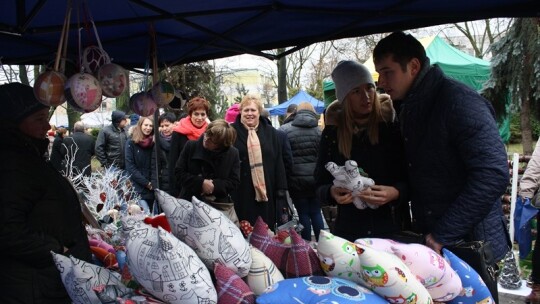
{"type": "Point", "coordinates": [479, 256]}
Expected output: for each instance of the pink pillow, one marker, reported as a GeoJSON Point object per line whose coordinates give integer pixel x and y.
{"type": "Point", "coordinates": [230, 287]}
{"type": "Point", "coordinates": [295, 260]}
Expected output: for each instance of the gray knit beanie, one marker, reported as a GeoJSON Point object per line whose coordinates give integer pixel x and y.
{"type": "Point", "coordinates": [17, 101]}
{"type": "Point", "coordinates": [348, 75]}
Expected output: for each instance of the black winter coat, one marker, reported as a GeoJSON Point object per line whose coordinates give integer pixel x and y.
{"type": "Point", "coordinates": [385, 164]}
{"type": "Point", "coordinates": [139, 165]}
{"type": "Point", "coordinates": [110, 146]}
{"type": "Point", "coordinates": [247, 208]}
{"type": "Point", "coordinates": [58, 153]}
{"type": "Point", "coordinates": [84, 145]}
{"type": "Point", "coordinates": [304, 136]}
{"type": "Point", "coordinates": [457, 162]}
{"type": "Point", "coordinates": [39, 212]}
{"type": "Point", "coordinates": [197, 164]}
{"type": "Point", "coordinates": [165, 178]}
{"type": "Point", "coordinates": [178, 141]}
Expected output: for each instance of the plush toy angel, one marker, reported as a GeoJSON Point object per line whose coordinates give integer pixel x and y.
{"type": "Point", "coordinates": [348, 177]}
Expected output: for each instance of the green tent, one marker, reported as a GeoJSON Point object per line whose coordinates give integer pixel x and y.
{"type": "Point", "coordinates": [461, 66]}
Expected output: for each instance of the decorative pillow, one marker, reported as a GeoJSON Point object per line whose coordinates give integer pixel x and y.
{"type": "Point", "coordinates": [339, 257]}
{"type": "Point", "coordinates": [231, 288]}
{"type": "Point", "coordinates": [208, 231]}
{"type": "Point", "coordinates": [474, 289]}
{"type": "Point", "coordinates": [386, 275]}
{"type": "Point", "coordinates": [430, 268]}
{"type": "Point", "coordinates": [263, 272]}
{"type": "Point", "coordinates": [167, 268]}
{"type": "Point", "coordinates": [295, 260]}
{"type": "Point", "coordinates": [80, 278]}
{"type": "Point", "coordinates": [318, 289]}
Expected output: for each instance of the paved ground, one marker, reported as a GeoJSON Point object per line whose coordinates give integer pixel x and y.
{"type": "Point", "coordinates": [505, 298]}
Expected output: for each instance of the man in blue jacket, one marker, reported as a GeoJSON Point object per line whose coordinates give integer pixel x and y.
{"type": "Point", "coordinates": [457, 161]}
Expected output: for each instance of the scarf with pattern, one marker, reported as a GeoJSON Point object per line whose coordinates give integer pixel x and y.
{"type": "Point", "coordinates": [256, 164]}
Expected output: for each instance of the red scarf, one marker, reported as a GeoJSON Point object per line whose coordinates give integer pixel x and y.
{"type": "Point", "coordinates": [147, 142]}
{"type": "Point", "coordinates": [186, 127]}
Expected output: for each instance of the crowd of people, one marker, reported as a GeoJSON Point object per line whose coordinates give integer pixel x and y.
{"type": "Point", "coordinates": [437, 161]}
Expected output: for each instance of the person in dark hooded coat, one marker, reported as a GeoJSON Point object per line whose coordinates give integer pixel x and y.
{"type": "Point", "coordinates": [111, 141]}
{"type": "Point", "coordinates": [39, 211]}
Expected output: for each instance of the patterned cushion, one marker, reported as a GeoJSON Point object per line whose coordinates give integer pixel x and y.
{"type": "Point", "coordinates": [262, 273]}
{"type": "Point", "coordinates": [339, 257]}
{"type": "Point", "coordinates": [297, 259]}
{"type": "Point", "coordinates": [231, 288]}
{"type": "Point", "coordinates": [474, 288]}
{"type": "Point", "coordinates": [386, 275]}
{"type": "Point", "coordinates": [82, 280]}
{"type": "Point", "coordinates": [430, 268]}
{"type": "Point", "coordinates": [318, 289]}
{"type": "Point", "coordinates": [167, 268]}
{"type": "Point", "coordinates": [208, 231]}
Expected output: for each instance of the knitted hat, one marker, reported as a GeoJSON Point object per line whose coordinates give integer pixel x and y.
{"type": "Point", "coordinates": [17, 101]}
{"type": "Point", "coordinates": [232, 112]}
{"type": "Point", "coordinates": [348, 75]}
{"type": "Point", "coordinates": [118, 116]}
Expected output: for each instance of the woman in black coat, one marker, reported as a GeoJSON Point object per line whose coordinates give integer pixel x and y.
{"type": "Point", "coordinates": [39, 210]}
{"type": "Point", "coordinates": [248, 204]}
{"type": "Point", "coordinates": [366, 133]}
{"type": "Point", "coordinates": [209, 168]}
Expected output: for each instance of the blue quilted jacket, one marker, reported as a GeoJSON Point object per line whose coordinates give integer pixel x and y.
{"type": "Point", "coordinates": [457, 162]}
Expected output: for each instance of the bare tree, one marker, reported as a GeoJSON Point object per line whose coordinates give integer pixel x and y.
{"type": "Point", "coordinates": [482, 33]}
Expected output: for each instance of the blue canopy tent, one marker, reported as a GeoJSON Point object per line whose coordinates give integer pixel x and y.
{"type": "Point", "coordinates": [301, 96]}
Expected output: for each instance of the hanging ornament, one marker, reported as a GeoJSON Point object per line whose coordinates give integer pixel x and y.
{"type": "Point", "coordinates": [84, 91]}
{"type": "Point", "coordinates": [49, 86]}
{"type": "Point", "coordinates": [142, 104]}
{"type": "Point", "coordinates": [114, 79]}
{"type": "Point", "coordinates": [163, 93]}
{"type": "Point", "coordinates": [93, 58]}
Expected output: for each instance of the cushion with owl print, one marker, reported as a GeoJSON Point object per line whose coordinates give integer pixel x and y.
{"type": "Point", "coordinates": [429, 267]}
{"type": "Point", "coordinates": [389, 277]}
{"type": "Point", "coordinates": [88, 283]}
{"type": "Point", "coordinates": [318, 289]}
{"type": "Point", "coordinates": [474, 289]}
{"type": "Point", "coordinates": [339, 257]}
{"type": "Point", "coordinates": [213, 236]}
{"type": "Point", "coordinates": [294, 260]}
{"type": "Point", "coordinates": [166, 267]}
{"type": "Point", "coordinates": [231, 288]}
{"type": "Point", "coordinates": [263, 272]}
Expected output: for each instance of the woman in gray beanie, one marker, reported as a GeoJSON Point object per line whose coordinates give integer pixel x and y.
{"type": "Point", "coordinates": [366, 132]}
{"type": "Point", "coordinates": [39, 210]}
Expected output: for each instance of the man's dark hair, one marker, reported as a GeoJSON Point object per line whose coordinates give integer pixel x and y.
{"type": "Point", "coordinates": [403, 47]}
{"type": "Point", "coordinates": [291, 108]}
{"type": "Point", "coordinates": [169, 116]}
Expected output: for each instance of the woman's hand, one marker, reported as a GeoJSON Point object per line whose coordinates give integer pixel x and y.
{"type": "Point", "coordinates": [379, 194]}
{"type": "Point", "coordinates": [341, 195]}
{"type": "Point", "coordinates": [207, 187]}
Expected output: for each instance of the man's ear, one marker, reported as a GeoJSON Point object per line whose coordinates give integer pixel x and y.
{"type": "Point", "coordinates": [415, 66]}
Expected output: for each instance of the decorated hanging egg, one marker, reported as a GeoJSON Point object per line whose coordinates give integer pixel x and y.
{"type": "Point", "coordinates": [163, 93]}
{"type": "Point", "coordinates": [113, 79]}
{"type": "Point", "coordinates": [142, 103]}
{"type": "Point", "coordinates": [93, 58]}
{"type": "Point", "coordinates": [49, 88]}
{"type": "Point", "coordinates": [83, 90]}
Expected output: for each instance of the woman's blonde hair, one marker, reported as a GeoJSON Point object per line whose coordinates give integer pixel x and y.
{"type": "Point", "coordinates": [246, 100]}
{"type": "Point", "coordinates": [137, 136]}
{"type": "Point", "coordinates": [221, 133]}
{"type": "Point", "coordinates": [346, 126]}
{"type": "Point", "coordinates": [305, 106]}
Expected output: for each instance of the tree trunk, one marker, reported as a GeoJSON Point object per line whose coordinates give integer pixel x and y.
{"type": "Point", "coordinates": [282, 78]}
{"type": "Point", "coordinates": [73, 116]}
{"type": "Point", "coordinates": [23, 74]}
{"type": "Point", "coordinates": [526, 129]}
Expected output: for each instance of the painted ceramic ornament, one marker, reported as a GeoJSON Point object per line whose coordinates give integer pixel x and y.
{"type": "Point", "coordinates": [142, 104]}
{"type": "Point", "coordinates": [163, 93]}
{"type": "Point", "coordinates": [84, 91]}
{"type": "Point", "coordinates": [93, 58]}
{"type": "Point", "coordinates": [113, 79]}
{"type": "Point", "coordinates": [49, 88]}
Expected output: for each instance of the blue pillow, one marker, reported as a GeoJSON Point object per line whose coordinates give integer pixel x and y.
{"type": "Point", "coordinates": [318, 289]}
{"type": "Point", "coordinates": [474, 289]}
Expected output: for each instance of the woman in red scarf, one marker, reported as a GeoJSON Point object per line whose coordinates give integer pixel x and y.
{"type": "Point", "coordinates": [138, 161]}
{"type": "Point", "coordinates": [190, 127]}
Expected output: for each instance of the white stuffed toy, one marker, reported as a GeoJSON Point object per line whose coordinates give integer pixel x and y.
{"type": "Point", "coordinates": [348, 177]}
